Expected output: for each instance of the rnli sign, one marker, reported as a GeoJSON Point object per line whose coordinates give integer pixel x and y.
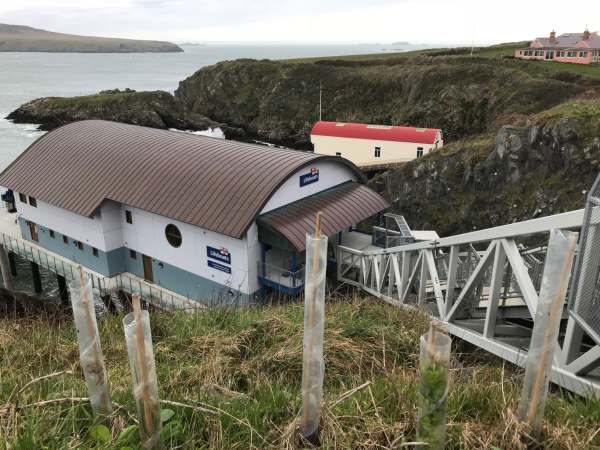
{"type": "Point", "coordinates": [310, 177]}
{"type": "Point", "coordinates": [220, 254]}
{"type": "Point", "coordinates": [221, 267]}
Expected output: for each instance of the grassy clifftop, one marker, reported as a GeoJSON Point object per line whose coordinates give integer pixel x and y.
{"type": "Point", "coordinates": [245, 368]}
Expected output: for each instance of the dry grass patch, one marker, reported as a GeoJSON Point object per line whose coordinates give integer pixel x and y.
{"type": "Point", "coordinates": [245, 368]}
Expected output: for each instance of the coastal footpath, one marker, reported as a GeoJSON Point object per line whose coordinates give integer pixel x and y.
{"type": "Point", "coordinates": [522, 136]}
{"type": "Point", "coordinates": [18, 38]}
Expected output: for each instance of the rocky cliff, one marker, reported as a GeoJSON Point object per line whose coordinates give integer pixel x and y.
{"type": "Point", "coordinates": [278, 101]}
{"type": "Point", "coordinates": [518, 173]}
{"type": "Point", "coordinates": [156, 109]}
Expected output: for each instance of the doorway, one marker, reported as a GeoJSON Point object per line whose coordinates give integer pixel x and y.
{"type": "Point", "coordinates": [148, 274]}
{"type": "Point", "coordinates": [34, 231]}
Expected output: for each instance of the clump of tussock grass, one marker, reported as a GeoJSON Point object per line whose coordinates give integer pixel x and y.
{"type": "Point", "coordinates": [245, 366]}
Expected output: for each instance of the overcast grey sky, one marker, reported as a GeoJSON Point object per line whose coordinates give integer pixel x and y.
{"type": "Point", "coordinates": [429, 21]}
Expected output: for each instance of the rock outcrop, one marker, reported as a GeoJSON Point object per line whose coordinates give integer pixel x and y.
{"type": "Point", "coordinates": [518, 173]}
{"type": "Point", "coordinates": [156, 109]}
{"type": "Point", "coordinates": [278, 101]}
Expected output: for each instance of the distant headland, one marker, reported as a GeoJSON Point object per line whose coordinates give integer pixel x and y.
{"type": "Point", "coordinates": [18, 38]}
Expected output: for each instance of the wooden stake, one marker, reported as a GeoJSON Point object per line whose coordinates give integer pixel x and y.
{"type": "Point", "coordinates": [141, 348]}
{"type": "Point", "coordinates": [318, 225]}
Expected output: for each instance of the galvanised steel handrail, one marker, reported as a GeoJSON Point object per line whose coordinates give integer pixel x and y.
{"type": "Point", "coordinates": [478, 299]}
{"type": "Point", "coordinates": [153, 294]}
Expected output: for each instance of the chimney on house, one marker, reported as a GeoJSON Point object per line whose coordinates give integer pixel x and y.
{"type": "Point", "coordinates": [553, 36]}
{"type": "Point", "coordinates": [586, 34]}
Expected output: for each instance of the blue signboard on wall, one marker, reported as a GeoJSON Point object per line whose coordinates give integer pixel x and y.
{"type": "Point", "coordinates": [310, 177]}
{"type": "Point", "coordinates": [220, 254]}
{"type": "Point", "coordinates": [221, 267]}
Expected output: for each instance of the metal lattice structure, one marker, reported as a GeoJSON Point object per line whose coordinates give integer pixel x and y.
{"type": "Point", "coordinates": [395, 231]}
{"type": "Point", "coordinates": [484, 287]}
{"type": "Point", "coordinates": [583, 331]}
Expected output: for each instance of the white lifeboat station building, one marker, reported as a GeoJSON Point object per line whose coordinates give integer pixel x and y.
{"type": "Point", "coordinates": [373, 147]}
{"type": "Point", "coordinates": [199, 216]}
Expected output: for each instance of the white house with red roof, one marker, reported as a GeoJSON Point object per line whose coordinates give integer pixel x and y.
{"type": "Point", "coordinates": [578, 48]}
{"type": "Point", "coordinates": [373, 146]}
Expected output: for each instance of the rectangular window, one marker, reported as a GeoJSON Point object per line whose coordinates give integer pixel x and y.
{"type": "Point", "coordinates": [65, 239]}
{"type": "Point", "coordinates": [128, 217]}
{"type": "Point", "coordinates": [132, 254]}
{"type": "Point", "coordinates": [419, 152]}
{"type": "Point", "coordinates": [51, 233]}
{"type": "Point", "coordinates": [32, 201]}
{"type": "Point", "coordinates": [377, 152]}
{"type": "Point", "coordinates": [95, 251]}
{"type": "Point", "coordinates": [22, 198]}
{"type": "Point", "coordinates": [79, 245]}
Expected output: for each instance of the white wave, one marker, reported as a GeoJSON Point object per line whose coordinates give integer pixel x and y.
{"type": "Point", "coordinates": [210, 132]}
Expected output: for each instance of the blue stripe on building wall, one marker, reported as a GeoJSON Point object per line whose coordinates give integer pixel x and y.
{"type": "Point", "coordinates": [120, 260]}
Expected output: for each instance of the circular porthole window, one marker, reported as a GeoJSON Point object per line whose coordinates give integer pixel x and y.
{"type": "Point", "coordinates": [173, 235]}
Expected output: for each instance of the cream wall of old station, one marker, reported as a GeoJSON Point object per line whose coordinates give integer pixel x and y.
{"type": "Point", "coordinates": [362, 151]}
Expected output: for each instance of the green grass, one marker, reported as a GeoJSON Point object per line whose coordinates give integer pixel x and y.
{"type": "Point", "coordinates": [246, 366]}
{"type": "Point", "coordinates": [495, 52]}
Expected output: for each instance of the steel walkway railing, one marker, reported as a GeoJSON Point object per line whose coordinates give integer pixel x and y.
{"type": "Point", "coordinates": [482, 285]}
{"type": "Point", "coordinates": [102, 285]}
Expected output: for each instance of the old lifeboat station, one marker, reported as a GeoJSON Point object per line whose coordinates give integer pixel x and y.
{"type": "Point", "coordinates": [199, 216]}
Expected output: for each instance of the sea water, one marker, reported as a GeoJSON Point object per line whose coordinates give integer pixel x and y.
{"type": "Point", "coordinates": [27, 76]}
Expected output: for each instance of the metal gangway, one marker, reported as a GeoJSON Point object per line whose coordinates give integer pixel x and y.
{"type": "Point", "coordinates": [484, 287]}
{"type": "Point", "coordinates": [393, 231]}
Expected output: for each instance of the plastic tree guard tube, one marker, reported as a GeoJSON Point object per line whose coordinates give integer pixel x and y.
{"type": "Point", "coordinates": [555, 281]}
{"type": "Point", "coordinates": [143, 372]}
{"type": "Point", "coordinates": [433, 389]}
{"type": "Point", "coordinates": [314, 315]}
{"type": "Point", "coordinates": [90, 351]}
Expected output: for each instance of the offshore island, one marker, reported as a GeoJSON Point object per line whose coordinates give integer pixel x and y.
{"type": "Point", "coordinates": [18, 38]}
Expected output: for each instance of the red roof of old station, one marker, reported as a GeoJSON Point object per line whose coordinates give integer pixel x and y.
{"type": "Point", "coordinates": [375, 132]}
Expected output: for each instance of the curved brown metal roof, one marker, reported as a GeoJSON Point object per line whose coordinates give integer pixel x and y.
{"type": "Point", "coordinates": [213, 183]}
{"type": "Point", "coordinates": [341, 207]}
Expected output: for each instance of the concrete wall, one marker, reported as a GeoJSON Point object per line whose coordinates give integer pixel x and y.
{"type": "Point", "coordinates": [108, 231]}
{"type": "Point", "coordinates": [87, 230]}
{"type": "Point", "coordinates": [119, 260]}
{"type": "Point", "coordinates": [106, 263]}
{"type": "Point", "coordinates": [330, 174]}
{"type": "Point", "coordinates": [362, 151]}
{"type": "Point", "coordinates": [146, 235]}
